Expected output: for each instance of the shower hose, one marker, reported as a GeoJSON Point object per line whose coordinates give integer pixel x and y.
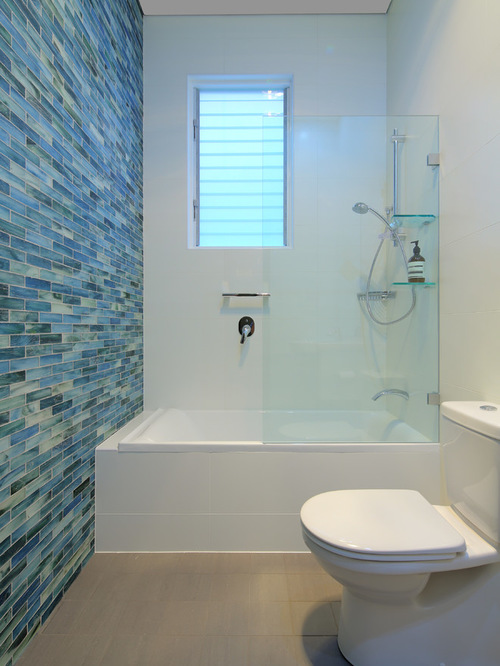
{"type": "Point", "coordinates": [394, 236]}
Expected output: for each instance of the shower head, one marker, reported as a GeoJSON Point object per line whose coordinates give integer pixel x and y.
{"type": "Point", "coordinates": [360, 208]}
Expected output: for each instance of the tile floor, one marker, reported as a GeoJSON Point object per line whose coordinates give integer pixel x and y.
{"type": "Point", "coordinates": [194, 609]}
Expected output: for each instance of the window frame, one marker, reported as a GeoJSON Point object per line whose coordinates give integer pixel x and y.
{"type": "Point", "coordinates": [272, 82]}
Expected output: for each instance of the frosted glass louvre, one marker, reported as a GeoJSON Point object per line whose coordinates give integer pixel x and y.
{"type": "Point", "coordinates": [242, 158]}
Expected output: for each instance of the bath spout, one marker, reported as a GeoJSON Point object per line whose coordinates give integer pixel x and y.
{"type": "Point", "coordinates": [399, 392]}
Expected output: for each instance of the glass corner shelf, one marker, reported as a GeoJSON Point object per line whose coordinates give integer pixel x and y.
{"type": "Point", "coordinates": [414, 284]}
{"type": "Point", "coordinates": [413, 220]}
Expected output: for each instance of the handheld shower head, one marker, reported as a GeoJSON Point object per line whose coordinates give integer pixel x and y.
{"type": "Point", "coordinates": [360, 208]}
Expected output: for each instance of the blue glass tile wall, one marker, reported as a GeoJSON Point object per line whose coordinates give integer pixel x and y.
{"type": "Point", "coordinates": [70, 283]}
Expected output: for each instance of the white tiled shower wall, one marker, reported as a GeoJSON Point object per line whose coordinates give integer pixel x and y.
{"type": "Point", "coordinates": [193, 355]}
{"type": "Point", "coordinates": [444, 58]}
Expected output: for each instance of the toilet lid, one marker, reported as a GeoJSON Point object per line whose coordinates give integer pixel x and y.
{"type": "Point", "coordinates": [380, 524]}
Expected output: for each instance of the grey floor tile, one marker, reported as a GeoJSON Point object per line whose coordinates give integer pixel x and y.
{"type": "Point", "coordinates": [140, 618]}
{"type": "Point", "coordinates": [301, 563]}
{"type": "Point", "coordinates": [265, 587]}
{"type": "Point", "coordinates": [84, 586]}
{"type": "Point", "coordinates": [270, 619]}
{"type": "Point", "coordinates": [126, 586]}
{"type": "Point", "coordinates": [313, 618]}
{"type": "Point", "coordinates": [184, 618]}
{"type": "Point", "coordinates": [336, 611]}
{"type": "Point", "coordinates": [173, 651]}
{"type": "Point", "coordinates": [57, 650]}
{"type": "Point", "coordinates": [109, 585]}
{"type": "Point", "coordinates": [190, 587]}
{"type": "Point", "coordinates": [194, 609]}
{"type": "Point", "coordinates": [319, 651]}
{"type": "Point", "coordinates": [99, 617]}
{"type": "Point", "coordinates": [272, 651]}
{"type": "Point", "coordinates": [65, 617]}
{"type": "Point", "coordinates": [225, 651]}
{"type": "Point", "coordinates": [125, 651]}
{"type": "Point", "coordinates": [151, 585]}
{"type": "Point", "coordinates": [160, 650]}
{"type": "Point", "coordinates": [313, 587]}
{"type": "Point", "coordinates": [228, 618]}
{"type": "Point", "coordinates": [230, 587]}
{"type": "Point", "coordinates": [268, 563]}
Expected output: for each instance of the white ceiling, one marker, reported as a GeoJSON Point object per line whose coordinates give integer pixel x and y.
{"type": "Point", "coordinates": [222, 7]}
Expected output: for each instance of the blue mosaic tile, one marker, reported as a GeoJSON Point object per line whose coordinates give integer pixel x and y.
{"type": "Point", "coordinates": [70, 284]}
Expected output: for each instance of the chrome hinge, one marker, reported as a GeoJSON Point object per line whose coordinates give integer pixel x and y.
{"type": "Point", "coordinates": [433, 399]}
{"type": "Point", "coordinates": [433, 159]}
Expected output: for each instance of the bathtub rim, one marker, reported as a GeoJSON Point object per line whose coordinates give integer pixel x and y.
{"type": "Point", "coordinates": [121, 442]}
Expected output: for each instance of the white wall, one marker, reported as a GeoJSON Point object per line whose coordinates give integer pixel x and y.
{"type": "Point", "coordinates": [444, 58]}
{"type": "Point", "coordinates": [193, 355]}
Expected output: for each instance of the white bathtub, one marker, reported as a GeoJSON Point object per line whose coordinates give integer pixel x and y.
{"type": "Point", "coordinates": [175, 430]}
{"type": "Point", "coordinates": [205, 481]}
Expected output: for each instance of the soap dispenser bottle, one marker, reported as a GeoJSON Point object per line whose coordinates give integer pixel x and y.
{"type": "Point", "coordinates": [416, 265]}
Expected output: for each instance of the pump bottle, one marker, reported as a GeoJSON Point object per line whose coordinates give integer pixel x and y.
{"type": "Point", "coordinates": [416, 265]}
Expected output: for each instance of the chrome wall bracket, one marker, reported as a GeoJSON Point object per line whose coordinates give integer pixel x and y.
{"type": "Point", "coordinates": [376, 295]}
{"type": "Point", "coordinates": [434, 399]}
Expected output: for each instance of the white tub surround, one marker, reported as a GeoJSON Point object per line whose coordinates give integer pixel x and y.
{"type": "Point", "coordinates": [214, 497]}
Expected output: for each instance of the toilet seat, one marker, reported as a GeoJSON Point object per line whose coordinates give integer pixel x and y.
{"type": "Point", "coordinates": [380, 525]}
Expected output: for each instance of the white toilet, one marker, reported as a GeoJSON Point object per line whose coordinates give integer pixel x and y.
{"type": "Point", "coordinates": [421, 582]}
